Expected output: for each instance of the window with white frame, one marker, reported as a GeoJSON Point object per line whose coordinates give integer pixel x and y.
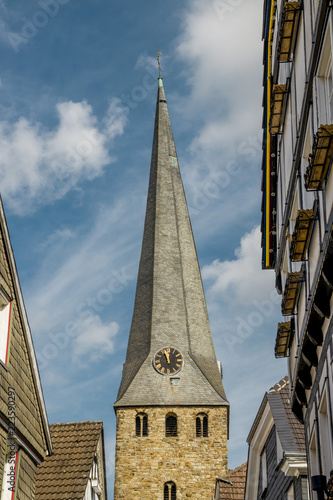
{"type": "Point", "coordinates": [93, 489]}
{"type": "Point", "coordinates": [5, 323]}
{"type": "Point", "coordinates": [325, 437]}
{"type": "Point", "coordinates": [279, 449]}
{"type": "Point", "coordinates": [291, 493]}
{"type": "Point", "coordinates": [263, 467]}
{"type": "Point", "coordinates": [324, 83]}
{"type": "Point", "coordinates": [313, 455]}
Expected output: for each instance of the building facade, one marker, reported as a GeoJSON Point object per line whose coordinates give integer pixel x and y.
{"type": "Point", "coordinates": [277, 465]}
{"type": "Point", "coordinates": [297, 209]}
{"type": "Point", "coordinates": [24, 431]}
{"type": "Point", "coordinates": [172, 412]}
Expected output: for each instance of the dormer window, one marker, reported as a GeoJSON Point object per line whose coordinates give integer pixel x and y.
{"type": "Point", "coordinates": [5, 323]}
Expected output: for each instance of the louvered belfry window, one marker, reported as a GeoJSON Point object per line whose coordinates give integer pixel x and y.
{"type": "Point", "coordinates": [145, 425]}
{"type": "Point", "coordinates": [201, 425]}
{"type": "Point", "coordinates": [171, 426]}
{"type": "Point", "coordinates": [198, 426]}
{"type": "Point", "coordinates": [141, 425]}
{"type": "Point", "coordinates": [169, 491]}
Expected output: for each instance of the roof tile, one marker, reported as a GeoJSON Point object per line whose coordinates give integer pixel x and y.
{"type": "Point", "coordinates": [74, 447]}
{"type": "Point", "coordinates": [235, 490]}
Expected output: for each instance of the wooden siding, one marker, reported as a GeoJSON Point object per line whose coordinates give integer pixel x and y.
{"type": "Point", "coordinates": [19, 374]}
{"type": "Point", "coordinates": [3, 438]}
{"type": "Point", "coordinates": [26, 478]}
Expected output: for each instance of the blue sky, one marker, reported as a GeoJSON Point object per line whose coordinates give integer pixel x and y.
{"type": "Point", "coordinates": [77, 100]}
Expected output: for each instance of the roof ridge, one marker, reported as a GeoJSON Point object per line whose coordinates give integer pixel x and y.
{"type": "Point", "coordinates": [280, 385]}
{"type": "Point", "coordinates": [78, 423]}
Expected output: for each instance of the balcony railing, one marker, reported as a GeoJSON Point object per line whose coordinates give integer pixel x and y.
{"type": "Point", "coordinates": [291, 292]}
{"type": "Point", "coordinates": [320, 158]}
{"type": "Point", "coordinates": [284, 335]}
{"type": "Point", "coordinates": [277, 105]}
{"type": "Point", "coordinates": [301, 235]}
{"type": "Point", "coordinates": [287, 30]}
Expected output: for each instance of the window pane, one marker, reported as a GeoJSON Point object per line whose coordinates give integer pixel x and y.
{"type": "Point", "coordinates": [166, 492]}
{"type": "Point", "coordinates": [171, 426]}
{"type": "Point", "coordinates": [145, 425]}
{"type": "Point", "coordinates": [173, 492]}
{"type": "Point", "coordinates": [198, 426]}
{"type": "Point", "coordinates": [138, 426]}
{"type": "Point", "coordinates": [205, 426]}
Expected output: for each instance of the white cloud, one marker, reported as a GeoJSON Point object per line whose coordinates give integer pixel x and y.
{"type": "Point", "coordinates": [95, 339]}
{"type": "Point", "coordinates": [146, 61]}
{"type": "Point", "coordinates": [241, 279]}
{"type": "Point", "coordinates": [221, 44]}
{"type": "Point", "coordinates": [58, 237]}
{"type": "Point", "coordinates": [38, 166]}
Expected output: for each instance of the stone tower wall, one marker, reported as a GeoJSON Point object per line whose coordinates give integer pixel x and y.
{"type": "Point", "coordinates": [144, 464]}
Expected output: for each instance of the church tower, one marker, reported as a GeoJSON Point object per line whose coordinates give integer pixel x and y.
{"type": "Point", "coordinates": [171, 409]}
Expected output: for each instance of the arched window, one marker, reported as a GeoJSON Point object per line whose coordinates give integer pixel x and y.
{"type": "Point", "coordinates": [141, 425]}
{"type": "Point", "coordinates": [171, 425]}
{"type": "Point", "coordinates": [201, 425]}
{"type": "Point", "coordinates": [169, 491]}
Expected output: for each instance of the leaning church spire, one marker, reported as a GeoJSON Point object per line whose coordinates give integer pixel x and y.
{"type": "Point", "coordinates": [170, 307]}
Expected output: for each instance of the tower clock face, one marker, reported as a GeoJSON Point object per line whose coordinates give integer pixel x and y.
{"type": "Point", "coordinates": [168, 361]}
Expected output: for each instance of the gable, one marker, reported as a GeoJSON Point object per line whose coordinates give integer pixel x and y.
{"type": "Point", "coordinates": [21, 400]}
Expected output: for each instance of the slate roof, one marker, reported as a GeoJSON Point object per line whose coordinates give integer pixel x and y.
{"type": "Point", "coordinates": [235, 490]}
{"type": "Point", "coordinates": [170, 306]}
{"type": "Point", "coordinates": [288, 427]}
{"type": "Point", "coordinates": [64, 475]}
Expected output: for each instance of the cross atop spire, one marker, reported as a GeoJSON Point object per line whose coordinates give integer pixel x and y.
{"type": "Point", "coordinates": [160, 82]}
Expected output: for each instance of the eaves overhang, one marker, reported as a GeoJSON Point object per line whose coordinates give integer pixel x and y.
{"type": "Point", "coordinates": [294, 464]}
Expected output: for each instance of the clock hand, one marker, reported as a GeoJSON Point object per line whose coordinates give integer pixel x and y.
{"type": "Point", "coordinates": [167, 356]}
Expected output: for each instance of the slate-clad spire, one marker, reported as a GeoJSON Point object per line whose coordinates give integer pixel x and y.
{"type": "Point", "coordinates": [170, 307]}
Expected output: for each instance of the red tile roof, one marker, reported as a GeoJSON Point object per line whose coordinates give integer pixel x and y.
{"type": "Point", "coordinates": [235, 490]}
{"type": "Point", "coordinates": [64, 475]}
